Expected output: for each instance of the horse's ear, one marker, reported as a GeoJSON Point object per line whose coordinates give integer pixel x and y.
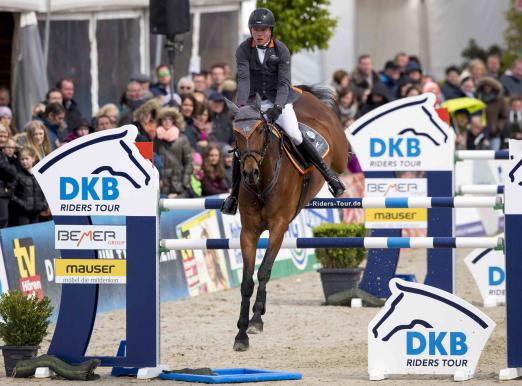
{"type": "Point", "coordinates": [232, 107]}
{"type": "Point", "coordinates": [257, 102]}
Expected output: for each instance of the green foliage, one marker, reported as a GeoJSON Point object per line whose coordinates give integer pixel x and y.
{"type": "Point", "coordinates": [301, 23]}
{"type": "Point", "coordinates": [24, 319]}
{"type": "Point", "coordinates": [474, 51]}
{"type": "Point", "coordinates": [512, 36]}
{"type": "Point", "coordinates": [340, 257]}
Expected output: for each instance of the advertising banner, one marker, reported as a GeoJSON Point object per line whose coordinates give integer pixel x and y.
{"type": "Point", "coordinates": [205, 270]}
{"type": "Point", "coordinates": [395, 218]}
{"type": "Point", "coordinates": [77, 184]}
{"type": "Point", "coordinates": [90, 237]}
{"type": "Point", "coordinates": [425, 330]}
{"type": "Point", "coordinates": [403, 135]}
{"type": "Point", "coordinates": [488, 268]}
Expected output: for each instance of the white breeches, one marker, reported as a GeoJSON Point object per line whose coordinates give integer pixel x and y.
{"type": "Point", "coordinates": [287, 120]}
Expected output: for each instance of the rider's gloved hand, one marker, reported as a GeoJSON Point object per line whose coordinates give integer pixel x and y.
{"type": "Point", "coordinates": [273, 113]}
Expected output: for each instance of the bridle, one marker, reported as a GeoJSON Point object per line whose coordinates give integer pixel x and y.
{"type": "Point", "coordinates": [247, 153]}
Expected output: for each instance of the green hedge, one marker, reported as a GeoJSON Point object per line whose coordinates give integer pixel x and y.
{"type": "Point", "coordinates": [24, 319]}
{"type": "Point", "coordinates": [340, 257]}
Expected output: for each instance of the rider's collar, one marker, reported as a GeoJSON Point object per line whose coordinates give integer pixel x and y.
{"type": "Point", "coordinates": [270, 44]}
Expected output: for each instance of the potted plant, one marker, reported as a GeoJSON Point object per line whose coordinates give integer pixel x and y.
{"type": "Point", "coordinates": [23, 325]}
{"type": "Point", "coordinates": [340, 266]}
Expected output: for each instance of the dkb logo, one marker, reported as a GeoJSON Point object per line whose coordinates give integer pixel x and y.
{"type": "Point", "coordinates": [496, 275]}
{"type": "Point", "coordinates": [95, 188]}
{"type": "Point", "coordinates": [435, 343]}
{"type": "Point", "coordinates": [395, 147]}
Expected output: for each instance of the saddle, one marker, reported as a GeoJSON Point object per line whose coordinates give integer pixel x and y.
{"type": "Point", "coordinates": [302, 165]}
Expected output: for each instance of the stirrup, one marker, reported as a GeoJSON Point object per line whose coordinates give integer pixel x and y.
{"type": "Point", "coordinates": [229, 206]}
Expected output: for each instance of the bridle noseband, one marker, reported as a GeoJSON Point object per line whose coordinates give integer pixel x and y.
{"type": "Point", "coordinates": [242, 156]}
{"type": "Point", "coordinates": [252, 153]}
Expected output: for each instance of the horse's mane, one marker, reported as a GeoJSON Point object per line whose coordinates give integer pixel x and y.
{"type": "Point", "coordinates": [325, 94]}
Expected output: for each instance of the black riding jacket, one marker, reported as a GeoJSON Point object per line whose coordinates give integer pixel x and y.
{"type": "Point", "coordinates": [270, 79]}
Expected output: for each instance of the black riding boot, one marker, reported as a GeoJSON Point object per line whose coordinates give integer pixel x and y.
{"type": "Point", "coordinates": [229, 206]}
{"type": "Point", "coordinates": [335, 185]}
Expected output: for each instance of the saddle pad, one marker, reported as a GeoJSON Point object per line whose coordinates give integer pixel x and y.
{"type": "Point", "coordinates": [295, 157]}
{"type": "Point", "coordinates": [234, 376]}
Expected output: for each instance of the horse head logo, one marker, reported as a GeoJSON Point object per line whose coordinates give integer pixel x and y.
{"type": "Point", "coordinates": [424, 330]}
{"type": "Point", "coordinates": [98, 169]}
{"type": "Point", "coordinates": [405, 129]}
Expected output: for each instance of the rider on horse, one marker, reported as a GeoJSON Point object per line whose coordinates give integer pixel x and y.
{"type": "Point", "coordinates": [263, 66]}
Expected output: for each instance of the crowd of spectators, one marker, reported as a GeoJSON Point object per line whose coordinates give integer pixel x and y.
{"type": "Point", "coordinates": [191, 129]}
{"type": "Point", "coordinates": [191, 126]}
{"type": "Point", "coordinates": [488, 121]}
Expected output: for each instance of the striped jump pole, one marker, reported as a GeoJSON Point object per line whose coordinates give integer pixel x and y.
{"type": "Point", "coordinates": [461, 155]}
{"type": "Point", "coordinates": [481, 189]}
{"type": "Point", "coordinates": [355, 202]}
{"type": "Point", "coordinates": [343, 242]}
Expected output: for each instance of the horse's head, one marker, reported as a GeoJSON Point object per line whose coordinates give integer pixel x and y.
{"type": "Point", "coordinates": [252, 137]}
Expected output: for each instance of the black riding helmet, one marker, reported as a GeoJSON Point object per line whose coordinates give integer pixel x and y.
{"type": "Point", "coordinates": [261, 17]}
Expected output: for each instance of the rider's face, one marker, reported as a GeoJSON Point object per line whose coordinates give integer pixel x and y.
{"type": "Point", "coordinates": [261, 35]}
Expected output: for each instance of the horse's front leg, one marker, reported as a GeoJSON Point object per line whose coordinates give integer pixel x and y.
{"type": "Point", "coordinates": [249, 239]}
{"type": "Point", "coordinates": [277, 233]}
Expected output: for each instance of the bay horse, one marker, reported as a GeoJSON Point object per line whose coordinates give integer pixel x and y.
{"type": "Point", "coordinates": [271, 188]}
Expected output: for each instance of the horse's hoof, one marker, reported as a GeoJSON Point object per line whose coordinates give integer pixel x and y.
{"type": "Point", "coordinates": [255, 328]}
{"type": "Point", "coordinates": [241, 345]}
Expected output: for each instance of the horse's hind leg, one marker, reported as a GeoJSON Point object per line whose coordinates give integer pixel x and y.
{"type": "Point", "coordinates": [274, 244]}
{"type": "Point", "coordinates": [249, 241]}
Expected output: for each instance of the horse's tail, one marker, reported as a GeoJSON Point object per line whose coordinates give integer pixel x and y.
{"type": "Point", "coordinates": [325, 94]}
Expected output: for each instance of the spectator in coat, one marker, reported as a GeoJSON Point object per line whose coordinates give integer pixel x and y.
{"type": "Point", "coordinates": [340, 80]}
{"type": "Point", "coordinates": [28, 199]}
{"type": "Point", "coordinates": [6, 119]}
{"type": "Point", "coordinates": [131, 100]}
{"type": "Point", "coordinates": [175, 152]}
{"type": "Point", "coordinates": [200, 81]}
{"type": "Point", "coordinates": [476, 135]}
{"type": "Point", "coordinates": [221, 119]}
{"type": "Point", "coordinates": [54, 95]}
{"type": "Point", "coordinates": [213, 181]}
{"type": "Point", "coordinates": [512, 81]}
{"type": "Point", "coordinates": [163, 87]}
{"type": "Point", "coordinates": [489, 91]}
{"type": "Point", "coordinates": [476, 69]}
{"type": "Point", "coordinates": [389, 77]}
{"type": "Point", "coordinates": [378, 97]}
{"type": "Point", "coordinates": [364, 77]}
{"type": "Point", "coordinates": [81, 128]}
{"type": "Point", "coordinates": [228, 160]}
{"type": "Point", "coordinates": [188, 105]}
{"type": "Point", "coordinates": [451, 86]}
{"type": "Point", "coordinates": [7, 182]}
{"type": "Point", "coordinates": [110, 110]}
{"type": "Point", "coordinates": [185, 86]}
{"type": "Point", "coordinates": [493, 65]}
{"type": "Point", "coordinates": [53, 120]}
{"type": "Point", "coordinates": [103, 122]}
{"type": "Point", "coordinates": [72, 112]}
{"type": "Point", "coordinates": [218, 77]}
{"type": "Point", "coordinates": [513, 128]}
{"type": "Point", "coordinates": [36, 138]}
{"type": "Point", "coordinates": [200, 133]}
{"type": "Point", "coordinates": [347, 105]}
{"type": "Point", "coordinates": [467, 86]}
